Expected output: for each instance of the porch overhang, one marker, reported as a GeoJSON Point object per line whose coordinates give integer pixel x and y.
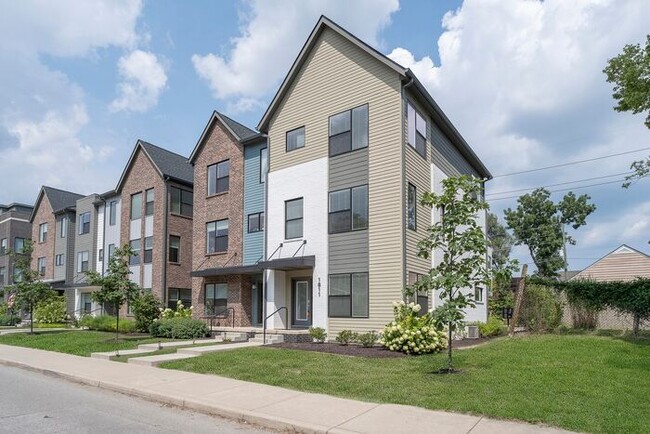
{"type": "Point", "coordinates": [289, 264]}
{"type": "Point", "coordinates": [224, 271]}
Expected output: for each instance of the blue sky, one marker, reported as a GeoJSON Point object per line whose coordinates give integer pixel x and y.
{"type": "Point", "coordinates": [521, 80]}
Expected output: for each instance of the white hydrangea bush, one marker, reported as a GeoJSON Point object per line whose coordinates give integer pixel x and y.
{"type": "Point", "coordinates": [411, 333]}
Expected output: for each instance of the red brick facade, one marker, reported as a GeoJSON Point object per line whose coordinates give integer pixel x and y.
{"type": "Point", "coordinates": [43, 214]}
{"type": "Point", "coordinates": [220, 145]}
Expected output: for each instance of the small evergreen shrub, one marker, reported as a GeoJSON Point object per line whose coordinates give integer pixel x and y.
{"type": "Point", "coordinates": [146, 308]}
{"type": "Point", "coordinates": [107, 323]}
{"type": "Point", "coordinates": [493, 327]}
{"type": "Point", "coordinates": [345, 337]}
{"type": "Point", "coordinates": [51, 312]}
{"type": "Point", "coordinates": [179, 328]}
{"type": "Point", "coordinates": [368, 339]}
{"type": "Point", "coordinates": [318, 334]}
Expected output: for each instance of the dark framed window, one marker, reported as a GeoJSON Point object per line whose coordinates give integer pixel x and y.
{"type": "Point", "coordinates": [217, 236]}
{"type": "Point", "coordinates": [478, 294]}
{"type": "Point", "coordinates": [135, 259]}
{"type": "Point", "coordinates": [41, 266]}
{"type": "Point", "coordinates": [348, 130]}
{"type": "Point", "coordinates": [348, 295]}
{"type": "Point", "coordinates": [3, 246]}
{"type": "Point", "coordinates": [100, 255]}
{"type": "Point", "coordinates": [417, 130]}
{"type": "Point", "coordinates": [84, 223]}
{"type": "Point", "coordinates": [255, 222]}
{"type": "Point", "coordinates": [264, 164]}
{"type": "Point", "coordinates": [59, 259]}
{"type": "Point", "coordinates": [348, 209]}
{"type": "Point", "coordinates": [182, 202]}
{"type": "Point", "coordinates": [216, 298]}
{"type": "Point", "coordinates": [182, 294]}
{"type": "Point", "coordinates": [148, 250]}
{"type": "Point", "coordinates": [219, 177]}
{"type": "Point", "coordinates": [111, 251]}
{"type": "Point", "coordinates": [82, 261]}
{"type": "Point", "coordinates": [86, 302]}
{"type": "Point", "coordinates": [136, 206]}
{"type": "Point", "coordinates": [19, 244]}
{"type": "Point", "coordinates": [411, 208]}
{"type": "Point", "coordinates": [112, 213]}
{"type": "Point", "coordinates": [293, 218]}
{"type": "Point", "coordinates": [148, 205]}
{"type": "Point", "coordinates": [174, 249]}
{"type": "Point", "coordinates": [3, 273]}
{"type": "Point", "coordinates": [42, 232]}
{"type": "Point", "coordinates": [296, 139]}
{"type": "Point", "coordinates": [63, 228]}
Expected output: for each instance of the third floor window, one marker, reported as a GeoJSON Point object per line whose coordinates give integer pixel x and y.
{"type": "Point", "coordinates": [348, 131]}
{"type": "Point", "coordinates": [219, 178]}
{"type": "Point", "coordinates": [112, 213]}
{"type": "Point", "coordinates": [136, 206]}
{"type": "Point", "coordinates": [217, 236]}
{"type": "Point", "coordinates": [182, 202]}
{"type": "Point", "coordinates": [296, 139]}
{"type": "Point", "coordinates": [42, 232]}
{"type": "Point", "coordinates": [148, 206]}
{"type": "Point", "coordinates": [84, 223]}
{"type": "Point", "coordinates": [417, 130]}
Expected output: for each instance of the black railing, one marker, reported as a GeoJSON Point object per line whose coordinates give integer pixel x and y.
{"type": "Point", "coordinates": [286, 313]}
{"type": "Point", "coordinates": [220, 315]}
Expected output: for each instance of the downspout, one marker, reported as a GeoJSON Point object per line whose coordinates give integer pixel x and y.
{"type": "Point", "coordinates": [402, 195]}
{"type": "Point", "coordinates": [266, 227]}
{"type": "Point", "coordinates": [165, 236]}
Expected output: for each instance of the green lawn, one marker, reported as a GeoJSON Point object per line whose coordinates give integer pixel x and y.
{"type": "Point", "coordinates": [79, 342]}
{"type": "Point", "coordinates": [583, 383]}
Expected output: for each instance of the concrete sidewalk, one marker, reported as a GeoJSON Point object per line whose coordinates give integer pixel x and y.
{"type": "Point", "coordinates": [268, 406]}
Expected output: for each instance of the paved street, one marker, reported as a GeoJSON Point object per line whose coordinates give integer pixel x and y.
{"type": "Point", "coordinates": [35, 403]}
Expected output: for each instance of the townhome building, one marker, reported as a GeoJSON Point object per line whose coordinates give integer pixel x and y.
{"type": "Point", "coordinates": [354, 140]}
{"type": "Point", "coordinates": [152, 210]}
{"type": "Point", "coordinates": [229, 177]}
{"type": "Point", "coordinates": [15, 229]}
{"type": "Point", "coordinates": [53, 220]}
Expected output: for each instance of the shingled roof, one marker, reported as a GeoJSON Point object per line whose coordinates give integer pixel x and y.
{"type": "Point", "coordinates": [60, 200]}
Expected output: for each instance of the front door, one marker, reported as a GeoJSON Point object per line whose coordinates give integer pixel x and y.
{"type": "Point", "coordinates": [301, 302]}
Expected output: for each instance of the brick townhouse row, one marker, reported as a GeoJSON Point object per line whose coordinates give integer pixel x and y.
{"type": "Point", "coordinates": [311, 219]}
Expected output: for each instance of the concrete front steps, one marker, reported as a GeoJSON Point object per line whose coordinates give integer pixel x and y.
{"type": "Point", "coordinates": [107, 355]}
{"type": "Point", "coordinates": [270, 339]}
{"type": "Point", "coordinates": [186, 353]}
{"type": "Point", "coordinates": [149, 348]}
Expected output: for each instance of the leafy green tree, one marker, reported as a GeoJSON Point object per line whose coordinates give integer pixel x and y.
{"type": "Point", "coordinates": [500, 241]}
{"type": "Point", "coordinates": [630, 73]}
{"type": "Point", "coordinates": [29, 291]}
{"type": "Point", "coordinates": [539, 223]}
{"type": "Point", "coordinates": [462, 242]}
{"type": "Point", "coordinates": [115, 286]}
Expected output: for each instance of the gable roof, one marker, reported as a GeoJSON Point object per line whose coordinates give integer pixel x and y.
{"type": "Point", "coordinates": [623, 248]}
{"type": "Point", "coordinates": [168, 164]}
{"type": "Point", "coordinates": [406, 74]}
{"type": "Point", "coordinates": [60, 200]}
{"type": "Point", "coordinates": [240, 132]}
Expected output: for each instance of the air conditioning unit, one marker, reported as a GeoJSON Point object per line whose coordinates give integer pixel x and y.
{"type": "Point", "coordinates": [472, 332]}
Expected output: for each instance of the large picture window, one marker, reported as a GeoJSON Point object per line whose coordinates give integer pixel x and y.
{"type": "Point", "coordinates": [348, 295]}
{"type": "Point", "coordinates": [348, 130]}
{"type": "Point", "coordinates": [217, 236]}
{"type": "Point", "coordinates": [216, 298]}
{"type": "Point", "coordinates": [411, 208]}
{"type": "Point", "coordinates": [293, 218]}
{"type": "Point", "coordinates": [417, 130]}
{"type": "Point", "coordinates": [296, 139]}
{"type": "Point", "coordinates": [176, 294]}
{"type": "Point", "coordinates": [84, 223]}
{"type": "Point", "coordinates": [219, 178]}
{"type": "Point", "coordinates": [348, 209]}
{"type": "Point", "coordinates": [182, 202]}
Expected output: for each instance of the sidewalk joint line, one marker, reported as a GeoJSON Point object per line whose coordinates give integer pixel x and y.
{"type": "Point", "coordinates": [354, 417]}
{"type": "Point", "coordinates": [474, 426]}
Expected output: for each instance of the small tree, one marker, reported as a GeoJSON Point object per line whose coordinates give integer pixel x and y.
{"type": "Point", "coordinates": [115, 286]}
{"type": "Point", "coordinates": [463, 247]}
{"type": "Point", "coordinates": [29, 290]}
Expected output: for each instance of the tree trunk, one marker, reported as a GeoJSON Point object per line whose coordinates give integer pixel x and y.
{"type": "Point", "coordinates": [635, 325]}
{"type": "Point", "coordinates": [117, 324]}
{"type": "Point", "coordinates": [450, 367]}
{"type": "Point", "coordinates": [31, 319]}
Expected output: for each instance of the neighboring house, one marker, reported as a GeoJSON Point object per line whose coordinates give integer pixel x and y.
{"type": "Point", "coordinates": [229, 179]}
{"type": "Point", "coordinates": [623, 264]}
{"type": "Point", "coordinates": [15, 228]}
{"type": "Point", "coordinates": [354, 141]}
{"type": "Point", "coordinates": [155, 216]}
{"type": "Point", "coordinates": [53, 222]}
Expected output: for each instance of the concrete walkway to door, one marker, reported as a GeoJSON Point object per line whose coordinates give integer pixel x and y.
{"type": "Point", "coordinates": [268, 406]}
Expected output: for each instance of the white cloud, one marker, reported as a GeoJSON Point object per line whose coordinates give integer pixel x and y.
{"type": "Point", "coordinates": [630, 226]}
{"type": "Point", "coordinates": [143, 80]}
{"type": "Point", "coordinates": [273, 33]}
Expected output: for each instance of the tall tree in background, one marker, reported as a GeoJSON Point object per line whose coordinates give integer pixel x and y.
{"type": "Point", "coordinates": [500, 241]}
{"type": "Point", "coordinates": [630, 73]}
{"type": "Point", "coordinates": [29, 290]}
{"type": "Point", "coordinates": [539, 223]}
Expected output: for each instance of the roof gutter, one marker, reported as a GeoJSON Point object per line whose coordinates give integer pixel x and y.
{"type": "Point", "coordinates": [403, 168]}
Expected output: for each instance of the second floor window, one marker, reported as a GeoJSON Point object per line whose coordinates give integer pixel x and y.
{"type": "Point", "coordinates": [19, 244]}
{"type": "Point", "coordinates": [411, 208]}
{"type": "Point", "coordinates": [174, 249]}
{"type": "Point", "coordinates": [296, 139]}
{"type": "Point", "coordinates": [64, 227]}
{"type": "Point", "coordinates": [111, 251]}
{"type": "Point", "coordinates": [217, 236]}
{"type": "Point", "coordinates": [348, 209]}
{"type": "Point", "coordinates": [42, 232]}
{"type": "Point", "coordinates": [41, 266]}
{"type": "Point", "coordinates": [112, 213]}
{"type": "Point", "coordinates": [136, 206]}
{"type": "Point", "coordinates": [148, 250]}
{"type": "Point", "coordinates": [84, 223]}
{"type": "Point", "coordinates": [3, 273]}
{"type": "Point", "coordinates": [182, 202]}
{"type": "Point", "coordinates": [135, 259]}
{"type": "Point", "coordinates": [293, 218]}
{"type": "Point", "coordinates": [82, 261]}
{"type": "Point", "coordinates": [417, 130]}
{"type": "Point", "coordinates": [348, 130]}
{"type": "Point", "coordinates": [59, 260]}
{"type": "Point", "coordinates": [3, 246]}
{"type": "Point", "coordinates": [219, 178]}
{"type": "Point", "coordinates": [148, 206]}
{"type": "Point", "coordinates": [255, 222]}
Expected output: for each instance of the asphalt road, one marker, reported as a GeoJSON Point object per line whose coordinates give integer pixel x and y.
{"type": "Point", "coordinates": [35, 403]}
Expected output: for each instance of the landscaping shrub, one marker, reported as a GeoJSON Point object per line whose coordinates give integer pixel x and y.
{"type": "Point", "coordinates": [146, 308]}
{"type": "Point", "coordinates": [180, 312]}
{"type": "Point", "coordinates": [318, 334]}
{"type": "Point", "coordinates": [51, 312]}
{"type": "Point", "coordinates": [541, 309]}
{"type": "Point", "coordinates": [107, 323]}
{"type": "Point", "coordinates": [411, 333]}
{"type": "Point", "coordinates": [5, 320]}
{"type": "Point", "coordinates": [346, 336]}
{"type": "Point", "coordinates": [179, 328]}
{"type": "Point", "coordinates": [493, 327]}
{"type": "Point", "coordinates": [583, 316]}
{"type": "Point", "coordinates": [368, 339]}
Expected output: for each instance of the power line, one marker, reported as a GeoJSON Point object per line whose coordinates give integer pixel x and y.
{"type": "Point", "coordinates": [560, 183]}
{"type": "Point", "coordinates": [565, 189]}
{"type": "Point", "coordinates": [571, 163]}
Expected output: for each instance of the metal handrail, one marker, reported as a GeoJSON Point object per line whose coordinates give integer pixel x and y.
{"type": "Point", "coordinates": [217, 315]}
{"type": "Point", "coordinates": [286, 319]}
